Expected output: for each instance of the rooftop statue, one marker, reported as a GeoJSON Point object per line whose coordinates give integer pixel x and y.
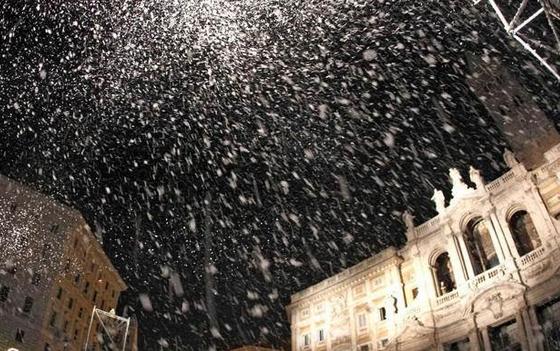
{"type": "Point", "coordinates": [459, 188]}
{"type": "Point", "coordinates": [408, 220]}
{"type": "Point", "coordinates": [439, 200]}
{"type": "Point", "coordinates": [476, 178]}
{"type": "Point", "coordinates": [509, 159]}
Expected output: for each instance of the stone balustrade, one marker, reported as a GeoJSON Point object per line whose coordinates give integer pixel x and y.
{"type": "Point", "coordinates": [447, 298]}
{"type": "Point", "coordinates": [532, 256]}
{"type": "Point", "coordinates": [501, 183]}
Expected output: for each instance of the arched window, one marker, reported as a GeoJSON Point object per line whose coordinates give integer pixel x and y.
{"type": "Point", "coordinates": [445, 278]}
{"type": "Point", "coordinates": [480, 247]}
{"type": "Point", "coordinates": [524, 233]}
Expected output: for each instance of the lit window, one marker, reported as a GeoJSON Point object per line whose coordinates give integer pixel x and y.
{"type": "Point", "coordinates": [362, 321]}
{"type": "Point", "coordinates": [27, 304]}
{"type": "Point", "coordinates": [382, 314]}
{"type": "Point", "coordinates": [321, 335]}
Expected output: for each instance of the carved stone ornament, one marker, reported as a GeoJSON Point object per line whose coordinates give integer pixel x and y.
{"type": "Point", "coordinates": [509, 159]}
{"type": "Point", "coordinates": [408, 220]}
{"type": "Point", "coordinates": [495, 303]}
{"type": "Point", "coordinates": [340, 317]}
{"type": "Point", "coordinates": [439, 200]}
{"type": "Point", "coordinates": [476, 178]}
{"type": "Point", "coordinates": [459, 187]}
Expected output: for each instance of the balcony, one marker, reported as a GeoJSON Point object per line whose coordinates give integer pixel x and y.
{"type": "Point", "coordinates": [501, 182]}
{"type": "Point", "coordinates": [447, 298]}
{"type": "Point", "coordinates": [532, 256]}
{"type": "Point", "coordinates": [488, 277]}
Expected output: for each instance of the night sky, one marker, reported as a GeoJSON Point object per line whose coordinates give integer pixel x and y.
{"type": "Point", "coordinates": [281, 140]}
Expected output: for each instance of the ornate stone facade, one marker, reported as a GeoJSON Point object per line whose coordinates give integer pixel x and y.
{"type": "Point", "coordinates": [484, 274]}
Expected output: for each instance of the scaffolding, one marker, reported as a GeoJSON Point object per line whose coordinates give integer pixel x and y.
{"type": "Point", "coordinates": [535, 24]}
{"type": "Point", "coordinates": [113, 334]}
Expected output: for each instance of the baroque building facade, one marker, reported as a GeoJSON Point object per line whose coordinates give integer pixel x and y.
{"type": "Point", "coordinates": [484, 274]}
{"type": "Point", "coordinates": [53, 271]}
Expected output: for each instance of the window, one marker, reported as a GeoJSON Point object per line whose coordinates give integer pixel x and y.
{"type": "Point", "coordinates": [47, 347]}
{"type": "Point", "coordinates": [27, 304]}
{"type": "Point", "coordinates": [504, 337]}
{"type": "Point", "coordinates": [444, 277]}
{"type": "Point", "coordinates": [549, 318]}
{"type": "Point", "coordinates": [77, 278]}
{"type": "Point", "coordinates": [362, 321]}
{"type": "Point", "coordinates": [382, 314]}
{"type": "Point", "coordinates": [65, 328]}
{"type": "Point", "coordinates": [363, 347]}
{"type": "Point", "coordinates": [306, 340]}
{"type": "Point", "coordinates": [321, 335]}
{"type": "Point", "coordinates": [479, 246]}
{"type": "Point", "coordinates": [36, 279]}
{"type": "Point", "coordinates": [52, 320]}
{"type": "Point", "coordinates": [86, 288]}
{"type": "Point", "coordinates": [106, 285]}
{"type": "Point", "coordinates": [94, 296]}
{"type": "Point", "coordinates": [76, 331]}
{"type": "Point", "coordinates": [81, 313]}
{"type": "Point", "coordinates": [414, 293]}
{"type": "Point", "coordinates": [20, 333]}
{"type": "Point", "coordinates": [70, 303]}
{"type": "Point", "coordinates": [524, 233]}
{"type": "Point", "coordinates": [4, 293]}
{"type": "Point", "coordinates": [457, 346]}
{"type": "Point", "coordinates": [59, 293]}
{"type": "Point", "coordinates": [382, 343]}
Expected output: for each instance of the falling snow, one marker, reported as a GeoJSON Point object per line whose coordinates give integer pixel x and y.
{"type": "Point", "coordinates": [231, 153]}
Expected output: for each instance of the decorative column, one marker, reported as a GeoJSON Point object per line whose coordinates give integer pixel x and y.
{"type": "Point", "coordinates": [486, 339]}
{"type": "Point", "coordinates": [466, 256]}
{"type": "Point", "coordinates": [496, 242]}
{"type": "Point", "coordinates": [459, 271]}
{"type": "Point", "coordinates": [529, 330]}
{"type": "Point", "coordinates": [505, 235]}
{"type": "Point", "coordinates": [294, 334]}
{"type": "Point", "coordinates": [536, 328]}
{"type": "Point", "coordinates": [474, 339]}
{"type": "Point", "coordinates": [353, 329]}
{"type": "Point", "coordinates": [521, 331]}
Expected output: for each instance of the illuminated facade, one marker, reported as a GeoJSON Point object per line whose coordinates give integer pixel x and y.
{"type": "Point", "coordinates": [484, 274]}
{"type": "Point", "coordinates": [52, 272]}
